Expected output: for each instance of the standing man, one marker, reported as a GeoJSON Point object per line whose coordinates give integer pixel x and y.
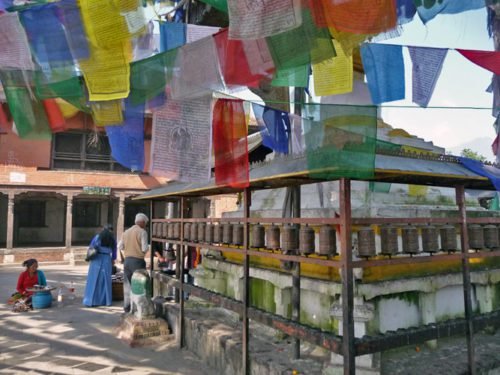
{"type": "Point", "coordinates": [134, 244]}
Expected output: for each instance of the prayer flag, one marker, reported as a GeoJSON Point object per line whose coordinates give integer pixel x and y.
{"type": "Point", "coordinates": [182, 139]}
{"type": "Point", "coordinates": [274, 126]}
{"type": "Point", "coordinates": [69, 14]}
{"type": "Point", "coordinates": [489, 60]}
{"type": "Point", "coordinates": [14, 44]}
{"type": "Point", "coordinates": [127, 141]}
{"type": "Point", "coordinates": [234, 64]}
{"type": "Point", "coordinates": [297, 76]}
{"type": "Point", "coordinates": [384, 69]}
{"type": "Point", "coordinates": [427, 65]}
{"type": "Point", "coordinates": [360, 16]}
{"type": "Point", "coordinates": [333, 76]}
{"type": "Point", "coordinates": [172, 35]}
{"type": "Point", "coordinates": [250, 19]}
{"type": "Point", "coordinates": [230, 144]}
{"type": "Point", "coordinates": [217, 4]}
{"type": "Point", "coordinates": [55, 117]}
{"type": "Point", "coordinates": [107, 112]}
{"type": "Point", "coordinates": [428, 9]}
{"type": "Point", "coordinates": [488, 171]}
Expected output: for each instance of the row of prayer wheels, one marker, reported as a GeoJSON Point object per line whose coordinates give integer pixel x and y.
{"type": "Point", "coordinates": [286, 238]}
{"type": "Point", "coordinates": [433, 239]}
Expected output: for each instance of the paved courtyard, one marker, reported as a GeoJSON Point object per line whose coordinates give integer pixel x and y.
{"type": "Point", "coordinates": [73, 339]}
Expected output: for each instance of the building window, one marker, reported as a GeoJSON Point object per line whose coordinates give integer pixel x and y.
{"type": "Point", "coordinates": [88, 151]}
{"type": "Point", "coordinates": [86, 214]}
{"type": "Point", "coordinates": [31, 213]}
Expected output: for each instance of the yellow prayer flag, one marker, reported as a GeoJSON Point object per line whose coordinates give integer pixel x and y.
{"type": "Point", "coordinates": [417, 190]}
{"type": "Point", "coordinates": [68, 110]}
{"type": "Point", "coordinates": [107, 113]}
{"type": "Point", "coordinates": [333, 76]}
{"type": "Point", "coordinates": [348, 41]}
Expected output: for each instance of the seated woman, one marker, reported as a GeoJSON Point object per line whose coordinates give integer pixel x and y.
{"type": "Point", "coordinates": [28, 279]}
{"type": "Point", "coordinates": [98, 288]}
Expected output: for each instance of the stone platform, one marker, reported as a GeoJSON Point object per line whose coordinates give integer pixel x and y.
{"type": "Point", "coordinates": [146, 332]}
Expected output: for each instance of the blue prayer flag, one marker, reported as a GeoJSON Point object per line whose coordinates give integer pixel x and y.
{"type": "Point", "coordinates": [127, 141]}
{"type": "Point", "coordinates": [427, 13]}
{"type": "Point", "coordinates": [172, 35]}
{"type": "Point", "coordinates": [275, 127]}
{"type": "Point", "coordinates": [406, 11]}
{"type": "Point", "coordinates": [385, 72]}
{"type": "Point", "coordinates": [489, 171]}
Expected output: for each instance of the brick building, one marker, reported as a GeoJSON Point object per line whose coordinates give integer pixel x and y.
{"type": "Point", "coordinates": [56, 194]}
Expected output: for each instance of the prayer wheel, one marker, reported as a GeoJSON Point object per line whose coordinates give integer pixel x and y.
{"type": "Point", "coordinates": [237, 235]}
{"type": "Point", "coordinates": [170, 230]}
{"type": "Point", "coordinates": [155, 229]}
{"type": "Point", "coordinates": [306, 240]}
{"type": "Point", "coordinates": [448, 234]}
{"type": "Point", "coordinates": [201, 232]}
{"type": "Point", "coordinates": [491, 236]}
{"type": "Point", "coordinates": [194, 232]}
{"type": "Point", "coordinates": [388, 240]}
{"type": "Point", "coordinates": [209, 233]}
{"type": "Point", "coordinates": [476, 236]}
{"type": "Point", "coordinates": [258, 236]}
{"type": "Point", "coordinates": [290, 238]}
{"type": "Point", "coordinates": [430, 240]}
{"type": "Point", "coordinates": [163, 230]}
{"type": "Point", "coordinates": [366, 242]}
{"type": "Point", "coordinates": [410, 240]}
{"type": "Point", "coordinates": [227, 233]}
{"type": "Point", "coordinates": [187, 231]}
{"type": "Point", "coordinates": [177, 231]}
{"type": "Point", "coordinates": [217, 233]}
{"type": "Point", "coordinates": [273, 237]}
{"type": "Point", "coordinates": [327, 241]}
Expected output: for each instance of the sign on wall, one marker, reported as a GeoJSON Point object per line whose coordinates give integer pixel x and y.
{"type": "Point", "coordinates": [96, 190]}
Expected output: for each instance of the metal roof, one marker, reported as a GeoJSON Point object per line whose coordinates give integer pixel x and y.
{"type": "Point", "coordinates": [285, 171]}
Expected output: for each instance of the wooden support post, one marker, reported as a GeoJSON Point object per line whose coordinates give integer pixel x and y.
{"type": "Point", "coordinates": [296, 274]}
{"type": "Point", "coordinates": [464, 241]}
{"type": "Point", "coordinates": [348, 348]}
{"type": "Point", "coordinates": [179, 268]}
{"type": "Point", "coordinates": [246, 283]}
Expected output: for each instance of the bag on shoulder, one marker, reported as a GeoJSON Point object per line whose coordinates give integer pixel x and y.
{"type": "Point", "coordinates": [91, 254]}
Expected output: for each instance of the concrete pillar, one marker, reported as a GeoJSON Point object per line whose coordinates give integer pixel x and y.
{"type": "Point", "coordinates": [283, 300]}
{"type": "Point", "coordinates": [120, 223]}
{"type": "Point", "coordinates": [427, 304]}
{"type": "Point", "coordinates": [363, 313]}
{"type": "Point", "coordinates": [485, 295]}
{"type": "Point", "coordinates": [10, 220]}
{"type": "Point", "coordinates": [69, 220]}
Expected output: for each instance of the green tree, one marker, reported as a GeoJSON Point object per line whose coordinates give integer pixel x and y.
{"type": "Point", "coordinates": [468, 153]}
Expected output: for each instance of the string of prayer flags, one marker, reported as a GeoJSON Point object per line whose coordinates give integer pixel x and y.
{"type": "Point", "coordinates": [384, 69]}
{"type": "Point", "coordinates": [250, 19]}
{"type": "Point", "coordinates": [127, 141]}
{"type": "Point", "coordinates": [182, 139]}
{"type": "Point", "coordinates": [197, 71]}
{"type": "Point", "coordinates": [234, 64]}
{"type": "Point", "coordinates": [56, 120]}
{"type": "Point", "coordinates": [297, 76]}
{"type": "Point", "coordinates": [110, 23]}
{"type": "Point", "coordinates": [70, 17]}
{"type": "Point", "coordinates": [107, 72]}
{"type": "Point", "coordinates": [14, 44]}
{"type": "Point", "coordinates": [46, 35]}
{"type": "Point", "coordinates": [333, 76]}
{"type": "Point", "coordinates": [107, 112]}
{"type": "Point", "coordinates": [274, 126]}
{"type": "Point", "coordinates": [217, 4]}
{"type": "Point", "coordinates": [488, 171]}
{"type": "Point", "coordinates": [343, 144]}
{"type": "Point", "coordinates": [360, 16]}
{"type": "Point", "coordinates": [230, 144]}
{"type": "Point", "coordinates": [428, 9]}
{"type": "Point", "coordinates": [27, 113]}
{"type": "Point", "coordinates": [172, 35]}
{"type": "Point", "coordinates": [427, 66]}
{"type": "Point", "coordinates": [489, 60]}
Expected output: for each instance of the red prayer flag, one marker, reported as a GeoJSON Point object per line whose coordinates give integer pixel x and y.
{"type": "Point", "coordinates": [360, 16]}
{"type": "Point", "coordinates": [317, 12]}
{"type": "Point", "coordinates": [234, 63]}
{"type": "Point", "coordinates": [4, 120]}
{"type": "Point", "coordinates": [230, 144]}
{"type": "Point", "coordinates": [489, 60]}
{"type": "Point", "coordinates": [56, 119]}
{"type": "Point", "coordinates": [494, 146]}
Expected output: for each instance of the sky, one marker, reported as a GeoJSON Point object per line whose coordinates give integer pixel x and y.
{"type": "Point", "coordinates": [461, 84]}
